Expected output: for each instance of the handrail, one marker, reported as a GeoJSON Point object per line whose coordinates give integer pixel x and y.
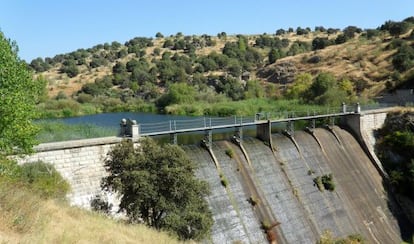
{"type": "Point", "coordinates": [209, 123]}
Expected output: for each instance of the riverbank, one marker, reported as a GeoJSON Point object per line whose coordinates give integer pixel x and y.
{"type": "Point", "coordinates": [65, 108]}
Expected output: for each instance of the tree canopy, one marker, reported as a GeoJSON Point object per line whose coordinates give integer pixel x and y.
{"type": "Point", "coordinates": [157, 185]}
{"type": "Point", "coordinates": [19, 94]}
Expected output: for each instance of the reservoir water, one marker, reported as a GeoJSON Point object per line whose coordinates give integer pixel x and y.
{"type": "Point", "coordinates": [113, 119]}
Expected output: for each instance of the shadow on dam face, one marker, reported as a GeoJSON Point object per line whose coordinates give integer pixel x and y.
{"type": "Point", "coordinates": [286, 199]}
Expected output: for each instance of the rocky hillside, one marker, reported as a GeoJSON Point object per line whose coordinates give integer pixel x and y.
{"type": "Point", "coordinates": [143, 69]}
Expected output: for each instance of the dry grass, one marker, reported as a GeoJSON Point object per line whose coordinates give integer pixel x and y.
{"type": "Point", "coordinates": [357, 59]}
{"type": "Point", "coordinates": [26, 218]}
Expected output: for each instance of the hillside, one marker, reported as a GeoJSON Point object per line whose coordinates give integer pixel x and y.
{"type": "Point", "coordinates": [26, 218]}
{"type": "Point", "coordinates": [125, 76]}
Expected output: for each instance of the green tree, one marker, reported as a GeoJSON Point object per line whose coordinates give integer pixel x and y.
{"type": "Point", "coordinates": [404, 58]}
{"type": "Point", "coordinates": [274, 55]}
{"type": "Point", "coordinates": [254, 90]}
{"type": "Point", "coordinates": [301, 84]}
{"type": "Point", "coordinates": [398, 28]}
{"type": "Point", "coordinates": [178, 93]}
{"type": "Point", "coordinates": [157, 184]}
{"type": "Point", "coordinates": [19, 94]}
{"type": "Point", "coordinates": [70, 68]}
{"type": "Point", "coordinates": [320, 43]}
{"type": "Point", "coordinates": [280, 32]}
{"type": "Point", "coordinates": [322, 83]}
{"type": "Point", "coordinates": [325, 90]}
{"type": "Point", "coordinates": [350, 31]}
{"type": "Point", "coordinates": [341, 39]}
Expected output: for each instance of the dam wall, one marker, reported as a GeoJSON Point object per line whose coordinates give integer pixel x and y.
{"type": "Point", "coordinates": [264, 190]}
{"type": "Point", "coordinates": [281, 181]}
{"type": "Point", "coordinates": [363, 126]}
{"type": "Point", "coordinates": [81, 163]}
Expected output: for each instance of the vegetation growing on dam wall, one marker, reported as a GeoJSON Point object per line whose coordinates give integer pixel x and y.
{"type": "Point", "coordinates": [278, 185]}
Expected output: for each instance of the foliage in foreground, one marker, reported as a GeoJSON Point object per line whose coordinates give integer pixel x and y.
{"type": "Point", "coordinates": [19, 93]}
{"type": "Point", "coordinates": [158, 187]}
{"type": "Point", "coordinates": [395, 147]}
{"type": "Point", "coordinates": [41, 178]}
{"type": "Point", "coordinates": [28, 218]}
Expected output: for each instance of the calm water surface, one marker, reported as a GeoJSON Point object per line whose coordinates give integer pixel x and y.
{"type": "Point", "coordinates": [114, 119]}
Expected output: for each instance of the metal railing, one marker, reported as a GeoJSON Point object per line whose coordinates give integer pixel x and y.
{"type": "Point", "coordinates": [206, 123]}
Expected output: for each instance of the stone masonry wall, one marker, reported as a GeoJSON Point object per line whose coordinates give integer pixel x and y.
{"type": "Point", "coordinates": [370, 122]}
{"type": "Point", "coordinates": [363, 126]}
{"type": "Point", "coordinates": [80, 162]}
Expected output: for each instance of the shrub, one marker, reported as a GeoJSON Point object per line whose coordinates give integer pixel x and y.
{"type": "Point", "coordinates": [253, 201]}
{"type": "Point", "coordinates": [318, 182]}
{"type": "Point", "coordinates": [266, 225]}
{"type": "Point", "coordinates": [223, 180]}
{"type": "Point", "coordinates": [84, 98]}
{"type": "Point", "coordinates": [100, 205]}
{"type": "Point", "coordinates": [314, 59]}
{"type": "Point", "coordinates": [327, 181]}
{"type": "Point", "coordinates": [230, 153]}
{"type": "Point", "coordinates": [44, 179]}
{"type": "Point", "coordinates": [61, 95]}
{"type": "Point", "coordinates": [404, 58]}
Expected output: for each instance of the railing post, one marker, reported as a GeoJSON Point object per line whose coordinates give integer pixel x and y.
{"type": "Point", "coordinates": [357, 108]}
{"type": "Point", "coordinates": [290, 127]}
{"type": "Point", "coordinates": [173, 138]}
{"type": "Point", "coordinates": [239, 134]}
{"type": "Point", "coordinates": [343, 108]}
{"type": "Point", "coordinates": [331, 121]}
{"type": "Point", "coordinates": [313, 123]}
{"type": "Point", "coordinates": [208, 139]}
{"type": "Point", "coordinates": [123, 125]}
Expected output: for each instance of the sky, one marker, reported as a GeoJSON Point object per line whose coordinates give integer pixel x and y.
{"type": "Point", "coordinates": [45, 28]}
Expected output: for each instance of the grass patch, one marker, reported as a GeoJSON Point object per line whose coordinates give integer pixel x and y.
{"type": "Point", "coordinates": [242, 108]}
{"type": "Point", "coordinates": [266, 225]}
{"type": "Point", "coordinates": [223, 180]}
{"type": "Point", "coordinates": [44, 180]}
{"type": "Point", "coordinates": [328, 238]}
{"type": "Point", "coordinates": [28, 217]}
{"type": "Point", "coordinates": [317, 181]}
{"type": "Point", "coordinates": [327, 181]}
{"type": "Point", "coordinates": [56, 131]}
{"type": "Point", "coordinates": [324, 182]}
{"type": "Point", "coordinates": [229, 153]}
{"type": "Point", "coordinates": [253, 200]}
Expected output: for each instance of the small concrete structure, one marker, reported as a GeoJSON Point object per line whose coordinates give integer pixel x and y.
{"type": "Point", "coordinates": [129, 128]}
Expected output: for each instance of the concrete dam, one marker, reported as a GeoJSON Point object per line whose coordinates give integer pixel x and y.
{"type": "Point", "coordinates": [289, 207]}
{"type": "Point", "coordinates": [265, 192]}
